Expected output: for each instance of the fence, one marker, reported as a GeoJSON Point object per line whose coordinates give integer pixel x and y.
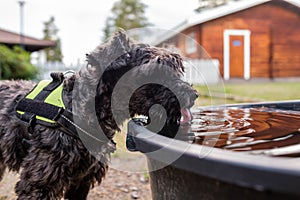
{"type": "Point", "coordinates": [46, 68]}
{"type": "Point", "coordinates": [202, 71]}
{"type": "Point", "coordinates": [198, 72]}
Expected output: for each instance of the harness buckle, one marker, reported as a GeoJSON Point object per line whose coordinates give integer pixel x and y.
{"type": "Point", "coordinates": [31, 124]}
{"type": "Point", "coordinates": [29, 121]}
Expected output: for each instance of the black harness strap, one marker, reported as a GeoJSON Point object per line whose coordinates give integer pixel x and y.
{"type": "Point", "coordinates": [39, 108]}
{"type": "Point", "coordinates": [35, 108]}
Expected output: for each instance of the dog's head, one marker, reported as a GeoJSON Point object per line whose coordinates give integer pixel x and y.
{"type": "Point", "coordinates": [137, 79]}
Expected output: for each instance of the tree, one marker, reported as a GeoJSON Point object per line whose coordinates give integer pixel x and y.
{"type": "Point", "coordinates": [126, 14]}
{"type": "Point", "coordinates": [50, 33]}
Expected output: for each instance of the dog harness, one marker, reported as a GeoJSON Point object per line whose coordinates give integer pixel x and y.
{"type": "Point", "coordinates": [44, 105]}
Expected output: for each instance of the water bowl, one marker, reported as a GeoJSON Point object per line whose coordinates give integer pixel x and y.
{"type": "Point", "coordinates": [250, 151]}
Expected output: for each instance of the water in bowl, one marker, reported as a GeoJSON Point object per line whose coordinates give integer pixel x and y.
{"type": "Point", "coordinates": [256, 130]}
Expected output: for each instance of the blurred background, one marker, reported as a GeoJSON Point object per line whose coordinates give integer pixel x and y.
{"type": "Point", "coordinates": [236, 51]}
{"type": "Point", "coordinates": [78, 27]}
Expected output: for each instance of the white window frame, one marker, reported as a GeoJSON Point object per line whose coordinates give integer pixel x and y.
{"type": "Point", "coordinates": [233, 32]}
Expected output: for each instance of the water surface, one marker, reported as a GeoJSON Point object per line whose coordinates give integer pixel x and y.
{"type": "Point", "coordinates": [257, 130]}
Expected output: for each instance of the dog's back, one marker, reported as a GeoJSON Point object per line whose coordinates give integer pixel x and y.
{"type": "Point", "coordinates": [11, 91]}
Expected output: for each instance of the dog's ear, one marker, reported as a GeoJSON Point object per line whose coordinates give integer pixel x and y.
{"type": "Point", "coordinates": [104, 54]}
{"type": "Point", "coordinates": [121, 41]}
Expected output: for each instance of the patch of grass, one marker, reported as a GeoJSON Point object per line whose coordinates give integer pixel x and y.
{"type": "Point", "coordinates": [211, 95]}
{"type": "Point", "coordinates": [249, 91]}
{"type": "Point", "coordinates": [266, 91]}
{"type": "Point", "coordinates": [146, 175]}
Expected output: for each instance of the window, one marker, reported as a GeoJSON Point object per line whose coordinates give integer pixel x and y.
{"type": "Point", "coordinates": [190, 43]}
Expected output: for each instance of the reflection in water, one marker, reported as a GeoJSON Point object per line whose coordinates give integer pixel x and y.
{"type": "Point", "coordinates": [259, 130]}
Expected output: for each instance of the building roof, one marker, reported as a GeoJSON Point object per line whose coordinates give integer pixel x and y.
{"type": "Point", "coordinates": [30, 44]}
{"type": "Point", "coordinates": [217, 12]}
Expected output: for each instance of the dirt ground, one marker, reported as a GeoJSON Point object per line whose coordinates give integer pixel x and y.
{"type": "Point", "coordinates": [127, 178]}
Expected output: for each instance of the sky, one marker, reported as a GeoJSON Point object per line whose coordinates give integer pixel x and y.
{"type": "Point", "coordinates": [81, 22]}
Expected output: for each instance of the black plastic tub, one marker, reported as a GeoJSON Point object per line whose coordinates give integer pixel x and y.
{"type": "Point", "coordinates": [180, 170]}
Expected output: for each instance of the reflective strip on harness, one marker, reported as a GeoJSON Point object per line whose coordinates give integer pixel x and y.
{"type": "Point", "coordinates": [54, 98]}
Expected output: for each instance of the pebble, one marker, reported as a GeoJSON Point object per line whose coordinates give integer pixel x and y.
{"type": "Point", "coordinates": [134, 195]}
{"type": "Point", "coordinates": [143, 179]}
{"type": "Point", "coordinates": [124, 190]}
{"type": "Point", "coordinates": [119, 184]}
{"type": "Point", "coordinates": [134, 188]}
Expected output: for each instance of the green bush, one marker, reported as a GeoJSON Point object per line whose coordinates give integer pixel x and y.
{"type": "Point", "coordinates": [15, 64]}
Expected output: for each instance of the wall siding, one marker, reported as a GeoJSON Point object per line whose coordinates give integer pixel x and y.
{"type": "Point", "coordinates": [275, 38]}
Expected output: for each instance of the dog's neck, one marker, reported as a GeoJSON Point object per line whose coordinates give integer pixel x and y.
{"type": "Point", "coordinates": [79, 97]}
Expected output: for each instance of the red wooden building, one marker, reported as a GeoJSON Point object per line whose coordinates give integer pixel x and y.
{"type": "Point", "coordinates": [250, 38]}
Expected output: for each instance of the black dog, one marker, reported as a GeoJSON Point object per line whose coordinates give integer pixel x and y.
{"type": "Point", "coordinates": [122, 79]}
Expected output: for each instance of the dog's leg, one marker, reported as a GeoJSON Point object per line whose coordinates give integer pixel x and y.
{"type": "Point", "coordinates": [78, 191]}
{"type": "Point", "coordinates": [27, 188]}
{"type": "Point", "coordinates": [42, 176]}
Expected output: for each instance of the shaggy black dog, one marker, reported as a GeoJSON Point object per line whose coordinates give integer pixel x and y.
{"type": "Point", "coordinates": [122, 79]}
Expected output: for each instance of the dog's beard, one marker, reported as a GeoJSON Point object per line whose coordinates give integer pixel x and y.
{"type": "Point", "coordinates": [163, 123]}
{"type": "Point", "coordinates": [163, 110]}
{"type": "Point", "coordinates": [172, 125]}
{"type": "Point", "coordinates": [169, 126]}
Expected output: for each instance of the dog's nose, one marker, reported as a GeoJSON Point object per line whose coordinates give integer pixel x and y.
{"type": "Point", "coordinates": [196, 95]}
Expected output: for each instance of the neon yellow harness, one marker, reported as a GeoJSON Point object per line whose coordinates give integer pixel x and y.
{"type": "Point", "coordinates": [44, 105]}
{"type": "Point", "coordinates": [54, 98]}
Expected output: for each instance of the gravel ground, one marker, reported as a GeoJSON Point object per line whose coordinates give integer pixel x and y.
{"type": "Point", "coordinates": [127, 178]}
